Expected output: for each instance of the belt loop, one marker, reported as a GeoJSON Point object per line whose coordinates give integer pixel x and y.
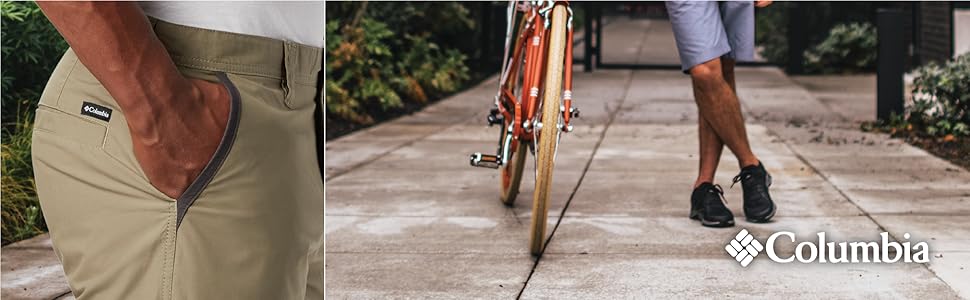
{"type": "Point", "coordinates": [291, 60]}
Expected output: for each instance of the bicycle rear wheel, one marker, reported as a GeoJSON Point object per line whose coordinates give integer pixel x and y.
{"type": "Point", "coordinates": [511, 176]}
{"type": "Point", "coordinates": [512, 173]}
{"type": "Point", "coordinates": [549, 133]}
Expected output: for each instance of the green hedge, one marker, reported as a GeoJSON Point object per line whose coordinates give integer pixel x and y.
{"type": "Point", "coordinates": [839, 35]}
{"type": "Point", "coordinates": [384, 56]}
{"type": "Point", "coordinates": [848, 48]}
{"type": "Point", "coordinates": [31, 49]}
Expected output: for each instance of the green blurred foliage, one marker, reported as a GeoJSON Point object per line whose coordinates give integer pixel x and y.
{"type": "Point", "coordinates": [21, 217]}
{"type": "Point", "coordinates": [383, 56]}
{"type": "Point", "coordinates": [941, 98]}
{"type": "Point", "coordinates": [848, 48]}
{"type": "Point", "coordinates": [31, 48]}
{"type": "Point", "coordinates": [771, 32]}
{"type": "Point", "coordinates": [831, 28]}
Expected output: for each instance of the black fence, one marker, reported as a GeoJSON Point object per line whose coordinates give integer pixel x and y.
{"type": "Point", "coordinates": [926, 28]}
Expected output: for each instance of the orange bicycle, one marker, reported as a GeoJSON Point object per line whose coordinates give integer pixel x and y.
{"type": "Point", "coordinates": [533, 104]}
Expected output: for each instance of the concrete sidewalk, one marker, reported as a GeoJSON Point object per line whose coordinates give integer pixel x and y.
{"type": "Point", "coordinates": [406, 217]}
{"type": "Point", "coordinates": [31, 271]}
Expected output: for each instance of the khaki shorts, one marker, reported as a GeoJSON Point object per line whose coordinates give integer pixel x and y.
{"type": "Point", "coordinates": [250, 227]}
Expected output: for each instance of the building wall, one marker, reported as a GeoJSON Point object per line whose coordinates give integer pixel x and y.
{"type": "Point", "coordinates": [935, 33]}
{"type": "Point", "coordinates": [961, 31]}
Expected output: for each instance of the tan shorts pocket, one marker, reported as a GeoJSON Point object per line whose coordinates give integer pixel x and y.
{"type": "Point", "coordinates": [218, 158]}
{"type": "Point", "coordinates": [74, 127]}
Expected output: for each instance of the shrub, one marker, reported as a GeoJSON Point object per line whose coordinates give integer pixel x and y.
{"type": "Point", "coordinates": [355, 73]}
{"type": "Point", "coordinates": [816, 19]}
{"type": "Point", "coordinates": [21, 211]}
{"type": "Point", "coordinates": [848, 48]}
{"type": "Point", "coordinates": [383, 57]}
{"type": "Point", "coordinates": [941, 98]}
{"type": "Point", "coordinates": [31, 48]}
{"type": "Point", "coordinates": [771, 32]}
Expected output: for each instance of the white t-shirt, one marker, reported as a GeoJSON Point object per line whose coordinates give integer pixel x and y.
{"type": "Point", "coordinates": [300, 22]}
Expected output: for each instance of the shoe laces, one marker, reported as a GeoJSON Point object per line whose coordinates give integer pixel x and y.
{"type": "Point", "coordinates": [720, 193]}
{"type": "Point", "coordinates": [738, 178]}
{"type": "Point", "coordinates": [758, 188]}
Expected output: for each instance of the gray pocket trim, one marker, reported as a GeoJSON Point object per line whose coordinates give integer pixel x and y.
{"type": "Point", "coordinates": [209, 172]}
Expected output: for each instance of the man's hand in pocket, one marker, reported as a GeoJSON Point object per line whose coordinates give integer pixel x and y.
{"type": "Point", "coordinates": [176, 123]}
{"type": "Point", "coordinates": [176, 145]}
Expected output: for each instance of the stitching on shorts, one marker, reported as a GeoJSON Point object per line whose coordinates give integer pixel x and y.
{"type": "Point", "coordinates": [248, 69]}
{"type": "Point", "coordinates": [214, 69]}
{"type": "Point", "coordinates": [56, 109]}
{"type": "Point", "coordinates": [168, 260]}
{"type": "Point", "coordinates": [102, 148]}
{"type": "Point", "coordinates": [107, 133]}
{"type": "Point", "coordinates": [104, 141]}
{"type": "Point", "coordinates": [181, 61]}
{"type": "Point", "coordinates": [57, 101]}
{"type": "Point", "coordinates": [45, 130]}
{"type": "Point", "coordinates": [222, 62]}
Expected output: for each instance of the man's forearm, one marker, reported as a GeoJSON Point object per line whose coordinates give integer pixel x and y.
{"type": "Point", "coordinates": [116, 43]}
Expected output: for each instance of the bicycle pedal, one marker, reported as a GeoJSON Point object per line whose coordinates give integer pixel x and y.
{"type": "Point", "coordinates": [485, 161]}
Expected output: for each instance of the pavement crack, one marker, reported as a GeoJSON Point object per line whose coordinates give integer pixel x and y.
{"type": "Point", "coordinates": [841, 192]}
{"type": "Point", "coordinates": [572, 194]}
{"type": "Point", "coordinates": [392, 149]}
{"type": "Point", "coordinates": [61, 295]}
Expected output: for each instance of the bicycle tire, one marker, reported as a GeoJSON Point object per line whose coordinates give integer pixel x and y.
{"type": "Point", "coordinates": [549, 133]}
{"type": "Point", "coordinates": [511, 176]}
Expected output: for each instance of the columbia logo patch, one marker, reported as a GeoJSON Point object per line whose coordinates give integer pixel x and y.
{"type": "Point", "coordinates": [744, 247]}
{"type": "Point", "coordinates": [97, 111]}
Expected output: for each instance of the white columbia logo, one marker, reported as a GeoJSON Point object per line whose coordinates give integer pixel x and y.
{"type": "Point", "coordinates": [97, 111]}
{"type": "Point", "coordinates": [744, 247]}
{"type": "Point", "coordinates": [94, 110]}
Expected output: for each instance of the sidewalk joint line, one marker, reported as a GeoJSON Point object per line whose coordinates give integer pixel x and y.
{"type": "Point", "coordinates": [572, 194]}
{"type": "Point", "coordinates": [849, 199]}
{"type": "Point", "coordinates": [62, 295]}
{"type": "Point", "coordinates": [826, 177]}
{"type": "Point", "coordinates": [377, 157]}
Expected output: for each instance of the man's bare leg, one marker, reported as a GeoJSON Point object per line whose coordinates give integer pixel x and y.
{"type": "Point", "coordinates": [718, 105]}
{"type": "Point", "coordinates": [711, 145]}
{"type": "Point", "coordinates": [717, 102]}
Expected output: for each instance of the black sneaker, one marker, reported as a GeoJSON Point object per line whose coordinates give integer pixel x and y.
{"type": "Point", "coordinates": [755, 180]}
{"type": "Point", "coordinates": [707, 206]}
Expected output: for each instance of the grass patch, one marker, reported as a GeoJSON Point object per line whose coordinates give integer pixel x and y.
{"type": "Point", "coordinates": [31, 49]}
{"type": "Point", "coordinates": [21, 217]}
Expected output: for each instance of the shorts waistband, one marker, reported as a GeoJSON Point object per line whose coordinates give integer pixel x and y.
{"type": "Point", "coordinates": [239, 53]}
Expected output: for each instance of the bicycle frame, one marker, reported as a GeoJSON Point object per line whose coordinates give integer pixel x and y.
{"type": "Point", "coordinates": [522, 115]}
{"type": "Point", "coordinates": [531, 44]}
